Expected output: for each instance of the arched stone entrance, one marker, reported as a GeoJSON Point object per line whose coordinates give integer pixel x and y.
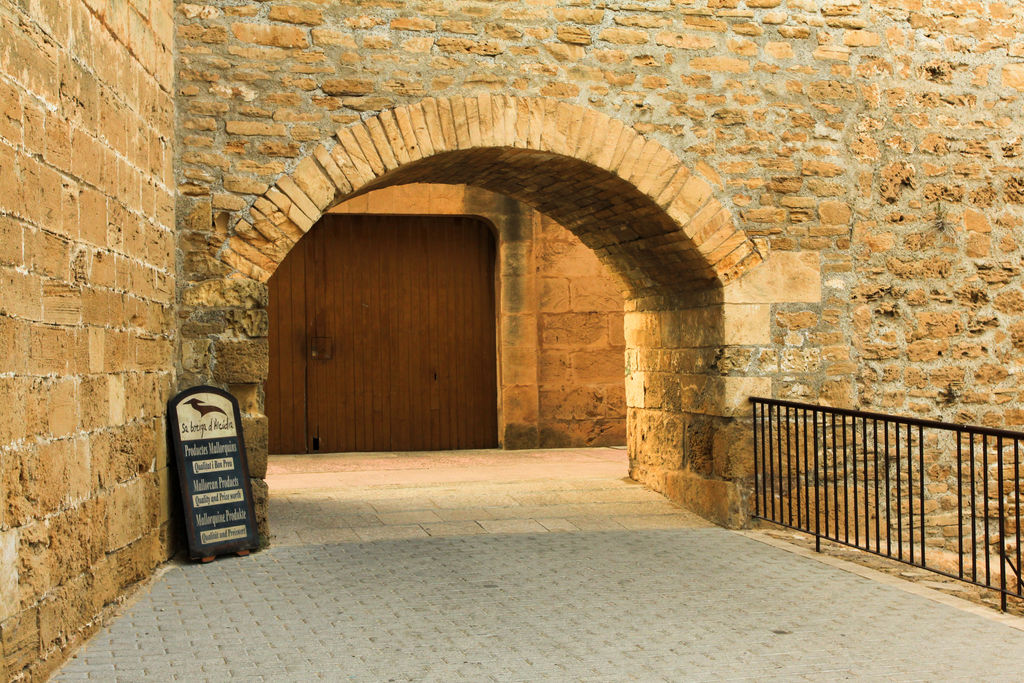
{"type": "Point", "coordinates": [626, 197]}
{"type": "Point", "coordinates": [698, 291]}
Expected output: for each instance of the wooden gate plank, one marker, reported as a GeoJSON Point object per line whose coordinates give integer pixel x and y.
{"type": "Point", "coordinates": [286, 382]}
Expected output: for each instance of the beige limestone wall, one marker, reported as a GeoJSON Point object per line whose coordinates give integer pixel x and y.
{"type": "Point", "coordinates": [560, 344]}
{"type": "Point", "coordinates": [877, 143]}
{"type": "Point", "coordinates": [86, 324]}
{"type": "Point", "coordinates": [848, 129]}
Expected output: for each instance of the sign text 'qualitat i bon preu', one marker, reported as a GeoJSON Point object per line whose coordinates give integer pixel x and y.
{"type": "Point", "coordinates": [206, 432]}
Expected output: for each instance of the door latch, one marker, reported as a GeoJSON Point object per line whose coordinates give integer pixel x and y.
{"type": "Point", "coordinates": [321, 348]}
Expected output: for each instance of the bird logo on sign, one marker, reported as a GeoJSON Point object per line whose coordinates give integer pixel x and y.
{"type": "Point", "coordinates": [203, 409]}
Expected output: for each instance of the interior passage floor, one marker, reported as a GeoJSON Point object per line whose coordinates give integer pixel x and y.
{"type": "Point", "coordinates": [523, 567]}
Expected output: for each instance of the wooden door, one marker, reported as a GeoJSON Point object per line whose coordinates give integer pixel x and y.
{"type": "Point", "coordinates": [391, 344]}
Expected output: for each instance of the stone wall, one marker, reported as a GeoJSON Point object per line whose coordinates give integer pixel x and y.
{"type": "Point", "coordinates": [581, 344]}
{"type": "Point", "coordinates": [86, 324]}
{"type": "Point", "coordinates": [875, 143]}
{"type": "Point", "coordinates": [560, 343]}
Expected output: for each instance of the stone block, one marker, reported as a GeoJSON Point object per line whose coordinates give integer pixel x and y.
{"type": "Point", "coordinates": [261, 501]}
{"type": "Point", "coordinates": [720, 64]}
{"type": "Point", "coordinates": [520, 435]}
{"type": "Point", "coordinates": [782, 278]}
{"type": "Point", "coordinates": [195, 354]}
{"type": "Point", "coordinates": [324, 36]}
{"type": "Point", "coordinates": [8, 574]}
{"type": "Point", "coordinates": [746, 324]}
{"type": "Point", "coordinates": [248, 397]}
{"type": "Point", "coordinates": [635, 390]}
{"type": "Point", "coordinates": [19, 636]}
{"type": "Point", "coordinates": [719, 501]}
{"type": "Point", "coordinates": [556, 435]}
{"type": "Point", "coordinates": [314, 183]}
{"type": "Point", "coordinates": [15, 392]}
{"type": "Point", "coordinates": [46, 476]}
{"type": "Point", "coordinates": [834, 212]}
{"type": "Point", "coordinates": [573, 329]}
{"type": "Point", "coordinates": [616, 330]}
{"type": "Point", "coordinates": [596, 433]}
{"type": "Point", "coordinates": [642, 329]}
{"type": "Point", "coordinates": [594, 294]}
{"type": "Point", "coordinates": [11, 242]}
{"type": "Point", "coordinates": [296, 15]}
{"type": "Point", "coordinates": [241, 362]}
{"type": "Point", "coordinates": [250, 322]}
{"type": "Point", "coordinates": [519, 404]}
{"type": "Point", "coordinates": [732, 450]}
{"type": "Point", "coordinates": [662, 391]}
{"type": "Point", "coordinates": [116, 400]}
{"type": "Point", "coordinates": [34, 563]}
{"type": "Point", "coordinates": [62, 613]}
{"type": "Point", "coordinates": [133, 562]}
{"type": "Point", "coordinates": [554, 367]}
{"type": "Point", "coordinates": [255, 431]}
{"type": "Point", "coordinates": [517, 259]}
{"type": "Point", "coordinates": [169, 494]}
{"type": "Point", "coordinates": [194, 214]}
{"type": "Point", "coordinates": [572, 402]}
{"type": "Point", "coordinates": [554, 295]}
{"type": "Point", "coordinates": [518, 365]}
{"type": "Point", "coordinates": [226, 293]}
{"type": "Point", "coordinates": [103, 575]}
{"type": "Point", "coordinates": [736, 392]}
{"type": "Point", "coordinates": [74, 537]}
{"type": "Point", "coordinates": [128, 511]}
{"type": "Point", "coordinates": [518, 295]}
{"type": "Point", "coordinates": [274, 36]}
{"type": "Point", "coordinates": [623, 36]}
{"type": "Point", "coordinates": [23, 294]}
{"type": "Point", "coordinates": [698, 446]}
{"type": "Point", "coordinates": [1013, 76]}
{"type": "Point", "coordinates": [614, 406]}
{"type": "Point", "coordinates": [567, 258]}
{"type": "Point", "coordinates": [605, 366]}
{"type": "Point", "coordinates": [657, 439]}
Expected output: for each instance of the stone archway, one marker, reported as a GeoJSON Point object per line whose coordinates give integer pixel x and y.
{"type": "Point", "coordinates": [627, 197]}
{"type": "Point", "coordinates": [698, 304]}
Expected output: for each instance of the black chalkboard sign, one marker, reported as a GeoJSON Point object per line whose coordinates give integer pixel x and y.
{"type": "Point", "coordinates": [206, 433]}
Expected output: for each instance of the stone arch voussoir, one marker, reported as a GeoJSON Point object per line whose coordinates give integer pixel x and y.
{"type": "Point", "coordinates": [393, 146]}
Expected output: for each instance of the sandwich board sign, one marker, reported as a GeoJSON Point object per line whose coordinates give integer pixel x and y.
{"type": "Point", "coordinates": [206, 433]}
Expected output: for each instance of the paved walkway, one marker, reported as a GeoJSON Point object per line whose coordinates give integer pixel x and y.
{"type": "Point", "coordinates": [395, 497]}
{"type": "Point", "coordinates": [544, 566]}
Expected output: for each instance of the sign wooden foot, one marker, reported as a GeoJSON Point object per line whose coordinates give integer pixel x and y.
{"type": "Point", "coordinates": [210, 558]}
{"type": "Point", "coordinates": [242, 553]}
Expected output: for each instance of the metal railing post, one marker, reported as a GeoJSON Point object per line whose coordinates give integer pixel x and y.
{"type": "Point", "coordinates": [1002, 524]}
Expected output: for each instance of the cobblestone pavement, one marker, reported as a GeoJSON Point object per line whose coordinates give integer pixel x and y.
{"type": "Point", "coordinates": [531, 576]}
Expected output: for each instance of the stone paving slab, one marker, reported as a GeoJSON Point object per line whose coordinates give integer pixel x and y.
{"type": "Point", "coordinates": [556, 571]}
{"type": "Point", "coordinates": [498, 491]}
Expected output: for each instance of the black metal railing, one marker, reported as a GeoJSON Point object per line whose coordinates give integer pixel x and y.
{"type": "Point", "coordinates": [940, 496]}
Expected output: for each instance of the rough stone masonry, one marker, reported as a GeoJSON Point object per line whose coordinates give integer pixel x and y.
{"type": "Point", "coordinates": [810, 199]}
{"type": "Point", "coordinates": [87, 328]}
